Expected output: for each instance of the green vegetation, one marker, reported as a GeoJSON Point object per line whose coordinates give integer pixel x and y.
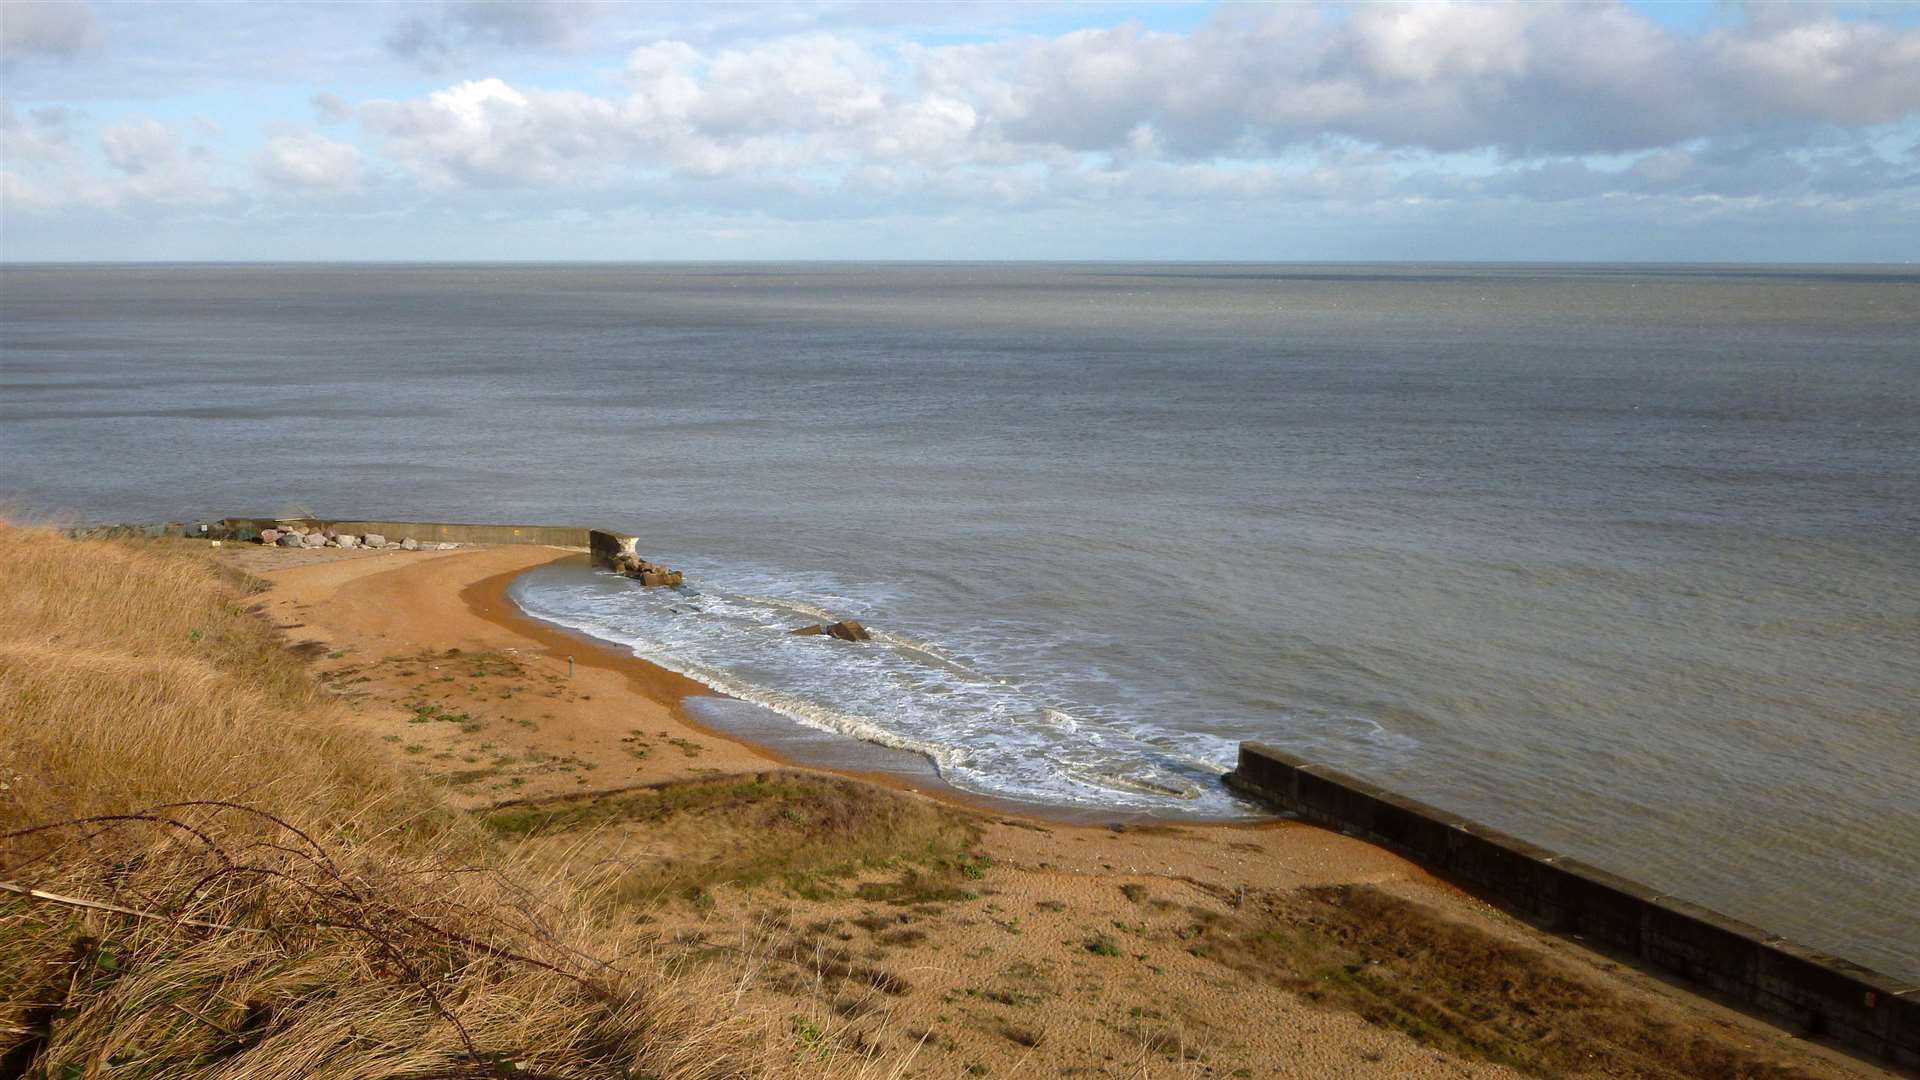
{"type": "Point", "coordinates": [806, 832]}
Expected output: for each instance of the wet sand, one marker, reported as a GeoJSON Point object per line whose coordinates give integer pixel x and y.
{"type": "Point", "coordinates": [569, 716]}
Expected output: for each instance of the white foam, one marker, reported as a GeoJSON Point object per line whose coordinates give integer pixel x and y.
{"type": "Point", "coordinates": [983, 731]}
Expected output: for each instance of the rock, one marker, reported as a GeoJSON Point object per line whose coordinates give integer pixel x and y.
{"type": "Point", "coordinates": [347, 540]}
{"type": "Point", "coordinates": [849, 631]}
{"type": "Point", "coordinates": [410, 544]}
{"type": "Point", "coordinates": [649, 574]}
{"type": "Point", "coordinates": [268, 536]}
{"type": "Point", "coordinates": [289, 540]}
{"type": "Point", "coordinates": [845, 631]}
{"type": "Point", "coordinates": [375, 540]}
{"type": "Point", "coordinates": [448, 547]}
{"type": "Point", "coordinates": [314, 540]}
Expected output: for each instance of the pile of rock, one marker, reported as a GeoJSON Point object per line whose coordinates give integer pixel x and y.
{"type": "Point", "coordinates": [847, 630]}
{"type": "Point", "coordinates": [647, 573]}
{"type": "Point", "coordinates": [299, 536]}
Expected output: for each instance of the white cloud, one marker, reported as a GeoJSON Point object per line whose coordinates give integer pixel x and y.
{"type": "Point", "coordinates": [1391, 109]}
{"type": "Point", "coordinates": [1521, 78]}
{"type": "Point", "coordinates": [140, 145]}
{"type": "Point", "coordinates": [815, 116]}
{"type": "Point", "coordinates": [43, 135]}
{"type": "Point", "coordinates": [309, 162]}
{"type": "Point", "coordinates": [156, 168]}
{"type": "Point", "coordinates": [487, 133]}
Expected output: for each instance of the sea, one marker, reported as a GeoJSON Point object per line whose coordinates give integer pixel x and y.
{"type": "Point", "coordinates": [1621, 559]}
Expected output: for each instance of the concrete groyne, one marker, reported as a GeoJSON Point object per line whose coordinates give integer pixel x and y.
{"type": "Point", "coordinates": [1855, 1007]}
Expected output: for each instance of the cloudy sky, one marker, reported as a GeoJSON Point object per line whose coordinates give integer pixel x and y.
{"type": "Point", "coordinates": [524, 129]}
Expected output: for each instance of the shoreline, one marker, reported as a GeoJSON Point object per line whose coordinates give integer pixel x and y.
{"type": "Point", "coordinates": [1137, 936]}
{"type": "Point", "coordinates": [489, 599]}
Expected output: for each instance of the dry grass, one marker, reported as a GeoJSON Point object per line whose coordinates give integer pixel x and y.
{"type": "Point", "coordinates": [227, 880]}
{"type": "Point", "coordinates": [1454, 986]}
{"type": "Point", "coordinates": [132, 675]}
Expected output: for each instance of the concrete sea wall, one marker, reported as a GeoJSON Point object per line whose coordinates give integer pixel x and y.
{"type": "Point", "coordinates": [438, 532]}
{"type": "Point", "coordinates": [1858, 1008]}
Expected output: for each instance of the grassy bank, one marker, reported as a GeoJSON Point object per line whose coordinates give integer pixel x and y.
{"type": "Point", "coordinates": [210, 872]}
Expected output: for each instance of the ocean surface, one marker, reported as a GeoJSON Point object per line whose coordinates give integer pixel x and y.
{"type": "Point", "coordinates": [1622, 559]}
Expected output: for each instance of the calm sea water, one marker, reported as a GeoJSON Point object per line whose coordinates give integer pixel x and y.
{"type": "Point", "coordinates": [1625, 560]}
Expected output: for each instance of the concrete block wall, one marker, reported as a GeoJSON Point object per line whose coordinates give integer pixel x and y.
{"type": "Point", "coordinates": [427, 532]}
{"type": "Point", "coordinates": [1858, 1008]}
{"type": "Point", "coordinates": [441, 532]}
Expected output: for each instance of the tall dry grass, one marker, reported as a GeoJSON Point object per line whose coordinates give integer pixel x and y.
{"type": "Point", "coordinates": [133, 674]}
{"type": "Point", "coordinates": [205, 871]}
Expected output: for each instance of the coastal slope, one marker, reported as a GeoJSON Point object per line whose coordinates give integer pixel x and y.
{"type": "Point", "coordinates": [988, 940]}
{"type": "Point", "coordinates": [349, 813]}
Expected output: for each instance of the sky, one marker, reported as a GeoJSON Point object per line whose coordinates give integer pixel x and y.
{"type": "Point", "coordinates": [600, 130]}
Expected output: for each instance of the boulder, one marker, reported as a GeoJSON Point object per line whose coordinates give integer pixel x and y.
{"type": "Point", "coordinates": [375, 540]}
{"type": "Point", "coordinates": [448, 547]}
{"type": "Point", "coordinates": [410, 544]}
{"type": "Point", "coordinates": [268, 536]}
{"type": "Point", "coordinates": [849, 631]}
{"type": "Point", "coordinates": [289, 540]}
{"type": "Point", "coordinates": [649, 574]}
{"type": "Point", "coordinates": [347, 540]}
{"type": "Point", "coordinates": [675, 577]}
{"type": "Point", "coordinates": [313, 539]}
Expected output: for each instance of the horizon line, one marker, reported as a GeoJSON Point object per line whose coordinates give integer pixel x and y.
{"type": "Point", "coordinates": [13, 263]}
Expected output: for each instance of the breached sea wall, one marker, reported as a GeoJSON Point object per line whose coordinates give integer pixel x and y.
{"type": "Point", "coordinates": [1856, 1007]}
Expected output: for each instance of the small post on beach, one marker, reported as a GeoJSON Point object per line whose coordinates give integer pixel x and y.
{"type": "Point", "coordinates": [569, 667]}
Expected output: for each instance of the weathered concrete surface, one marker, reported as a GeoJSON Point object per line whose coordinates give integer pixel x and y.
{"type": "Point", "coordinates": [1861, 1009]}
{"type": "Point", "coordinates": [607, 546]}
{"type": "Point", "coordinates": [450, 533]}
{"type": "Point", "coordinates": [426, 532]}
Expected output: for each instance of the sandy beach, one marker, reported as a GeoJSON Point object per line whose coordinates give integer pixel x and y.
{"type": "Point", "coordinates": [1116, 948]}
